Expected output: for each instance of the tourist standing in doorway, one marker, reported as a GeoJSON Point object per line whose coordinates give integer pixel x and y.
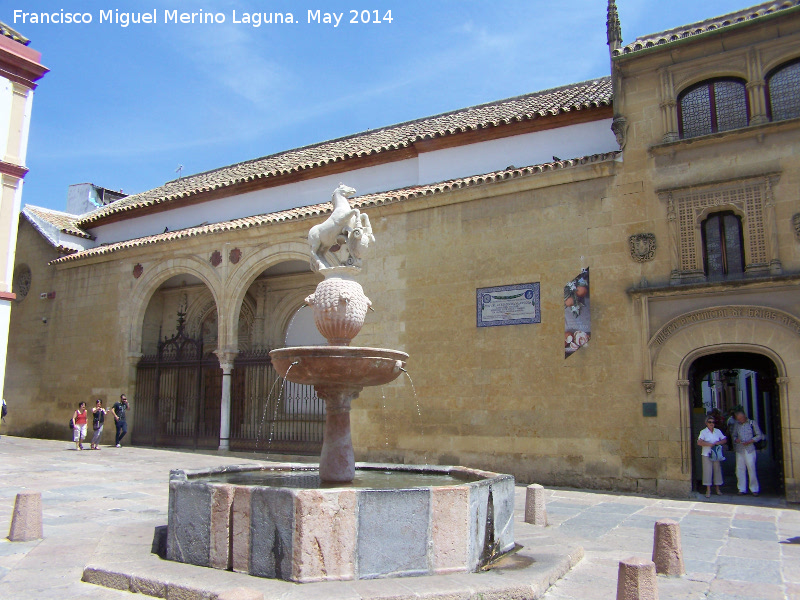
{"type": "Point", "coordinates": [119, 409]}
{"type": "Point", "coordinates": [79, 417]}
{"type": "Point", "coordinates": [97, 423]}
{"type": "Point", "coordinates": [711, 440]}
{"type": "Point", "coordinates": [745, 434]}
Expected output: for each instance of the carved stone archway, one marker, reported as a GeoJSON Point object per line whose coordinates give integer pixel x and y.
{"type": "Point", "coordinates": [750, 329]}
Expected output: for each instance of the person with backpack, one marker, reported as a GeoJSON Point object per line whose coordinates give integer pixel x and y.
{"type": "Point", "coordinates": [98, 419]}
{"type": "Point", "coordinates": [746, 434]}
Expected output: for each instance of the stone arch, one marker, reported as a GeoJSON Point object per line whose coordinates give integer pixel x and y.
{"type": "Point", "coordinates": [708, 74]}
{"type": "Point", "coordinates": [246, 273]}
{"type": "Point", "coordinates": [768, 335]}
{"type": "Point", "coordinates": [778, 61]}
{"type": "Point", "coordinates": [151, 280]}
{"type": "Point", "coordinates": [286, 308]}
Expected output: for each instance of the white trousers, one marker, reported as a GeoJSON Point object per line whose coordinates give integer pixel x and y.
{"type": "Point", "coordinates": [746, 466]}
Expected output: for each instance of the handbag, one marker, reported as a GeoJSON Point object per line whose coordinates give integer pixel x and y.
{"type": "Point", "coordinates": [716, 454]}
{"type": "Point", "coordinates": [760, 444]}
{"type": "Point", "coordinates": [72, 423]}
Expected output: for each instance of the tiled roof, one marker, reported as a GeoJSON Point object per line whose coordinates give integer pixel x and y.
{"type": "Point", "coordinates": [62, 221]}
{"type": "Point", "coordinates": [57, 228]}
{"type": "Point", "coordinates": [8, 32]}
{"type": "Point", "coordinates": [709, 25]}
{"type": "Point", "coordinates": [579, 96]}
{"type": "Point", "coordinates": [366, 201]}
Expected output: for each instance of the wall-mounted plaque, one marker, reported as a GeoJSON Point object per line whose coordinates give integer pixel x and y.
{"type": "Point", "coordinates": [508, 305]}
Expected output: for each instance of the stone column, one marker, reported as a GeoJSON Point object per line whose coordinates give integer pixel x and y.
{"type": "Point", "coordinates": [683, 407]}
{"type": "Point", "coordinates": [133, 363]}
{"type": "Point", "coordinates": [791, 479]}
{"type": "Point", "coordinates": [669, 107]}
{"type": "Point", "coordinates": [756, 91]}
{"type": "Point", "coordinates": [260, 317]}
{"type": "Point", "coordinates": [226, 358]}
{"type": "Point", "coordinates": [674, 240]}
{"type": "Point", "coordinates": [337, 460]}
{"type": "Point", "coordinates": [771, 230]}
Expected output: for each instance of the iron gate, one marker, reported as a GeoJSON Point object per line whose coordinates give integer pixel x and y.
{"type": "Point", "coordinates": [178, 395]}
{"type": "Point", "coordinates": [291, 422]}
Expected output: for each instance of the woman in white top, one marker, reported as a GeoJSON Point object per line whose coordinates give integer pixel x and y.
{"type": "Point", "coordinates": [707, 439]}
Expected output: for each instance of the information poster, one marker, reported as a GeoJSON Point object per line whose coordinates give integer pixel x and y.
{"type": "Point", "coordinates": [508, 305]}
{"type": "Point", "coordinates": [577, 314]}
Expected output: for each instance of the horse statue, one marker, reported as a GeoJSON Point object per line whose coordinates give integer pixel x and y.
{"type": "Point", "coordinates": [344, 229]}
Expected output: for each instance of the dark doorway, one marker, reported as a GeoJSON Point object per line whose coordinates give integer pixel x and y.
{"type": "Point", "coordinates": [178, 394]}
{"type": "Point", "coordinates": [724, 381]}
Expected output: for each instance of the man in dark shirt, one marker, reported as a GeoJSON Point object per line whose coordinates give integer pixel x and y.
{"type": "Point", "coordinates": [118, 410]}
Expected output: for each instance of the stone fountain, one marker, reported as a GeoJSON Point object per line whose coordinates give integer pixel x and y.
{"type": "Point", "coordinates": [337, 371]}
{"type": "Point", "coordinates": [339, 522]}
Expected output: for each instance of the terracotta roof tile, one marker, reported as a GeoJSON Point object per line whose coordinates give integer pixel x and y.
{"type": "Point", "coordinates": [64, 222]}
{"type": "Point", "coordinates": [13, 34]}
{"type": "Point", "coordinates": [579, 96]}
{"type": "Point", "coordinates": [306, 212]}
{"type": "Point", "coordinates": [709, 25]}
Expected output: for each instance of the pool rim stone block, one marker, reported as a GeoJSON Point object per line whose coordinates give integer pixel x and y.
{"type": "Point", "coordinates": [341, 533]}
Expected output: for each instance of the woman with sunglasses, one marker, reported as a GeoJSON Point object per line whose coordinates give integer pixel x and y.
{"type": "Point", "coordinates": [707, 440]}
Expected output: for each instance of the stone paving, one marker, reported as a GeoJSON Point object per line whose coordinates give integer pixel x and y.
{"type": "Point", "coordinates": [91, 499]}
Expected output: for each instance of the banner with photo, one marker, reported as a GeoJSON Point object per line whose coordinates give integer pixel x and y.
{"type": "Point", "coordinates": [577, 314]}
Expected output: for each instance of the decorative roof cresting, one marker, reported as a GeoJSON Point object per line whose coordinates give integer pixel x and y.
{"type": "Point", "coordinates": [709, 25]}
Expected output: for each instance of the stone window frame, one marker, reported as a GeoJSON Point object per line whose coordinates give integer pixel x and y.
{"type": "Point", "coordinates": [725, 249]}
{"type": "Point", "coordinates": [714, 111]}
{"type": "Point", "coordinates": [751, 199]}
{"type": "Point", "coordinates": [768, 79]}
{"type": "Point", "coordinates": [751, 65]}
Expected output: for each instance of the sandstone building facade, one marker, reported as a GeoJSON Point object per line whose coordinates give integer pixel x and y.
{"type": "Point", "coordinates": [683, 201]}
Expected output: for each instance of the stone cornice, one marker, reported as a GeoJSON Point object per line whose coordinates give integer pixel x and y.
{"type": "Point", "coordinates": [20, 63]}
{"type": "Point", "coordinates": [7, 168]}
{"type": "Point", "coordinates": [706, 287]}
{"type": "Point", "coordinates": [726, 137]}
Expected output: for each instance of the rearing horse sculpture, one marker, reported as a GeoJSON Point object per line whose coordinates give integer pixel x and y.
{"type": "Point", "coordinates": [335, 230]}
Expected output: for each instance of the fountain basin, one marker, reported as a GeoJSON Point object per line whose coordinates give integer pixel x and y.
{"type": "Point", "coordinates": [339, 366]}
{"type": "Point", "coordinates": [340, 532]}
{"type": "Point", "coordinates": [338, 374]}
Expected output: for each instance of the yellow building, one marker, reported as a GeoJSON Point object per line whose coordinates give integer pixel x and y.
{"type": "Point", "coordinates": [675, 181]}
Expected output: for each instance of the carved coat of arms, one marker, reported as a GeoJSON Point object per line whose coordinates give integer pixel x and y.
{"type": "Point", "coordinates": [643, 246]}
{"type": "Point", "coordinates": [796, 225]}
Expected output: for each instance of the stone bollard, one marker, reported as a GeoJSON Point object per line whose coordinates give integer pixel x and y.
{"type": "Point", "coordinates": [240, 594]}
{"type": "Point", "coordinates": [535, 510]}
{"type": "Point", "coordinates": [636, 580]}
{"type": "Point", "coordinates": [26, 523]}
{"type": "Point", "coordinates": [667, 552]}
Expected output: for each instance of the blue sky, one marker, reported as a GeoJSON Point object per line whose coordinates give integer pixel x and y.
{"type": "Point", "coordinates": [122, 107]}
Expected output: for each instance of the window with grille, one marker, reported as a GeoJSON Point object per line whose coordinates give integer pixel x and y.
{"type": "Point", "coordinates": [723, 251]}
{"type": "Point", "coordinates": [712, 106]}
{"type": "Point", "coordinates": [783, 91]}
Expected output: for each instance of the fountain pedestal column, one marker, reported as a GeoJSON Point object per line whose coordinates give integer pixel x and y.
{"type": "Point", "coordinates": [337, 460]}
